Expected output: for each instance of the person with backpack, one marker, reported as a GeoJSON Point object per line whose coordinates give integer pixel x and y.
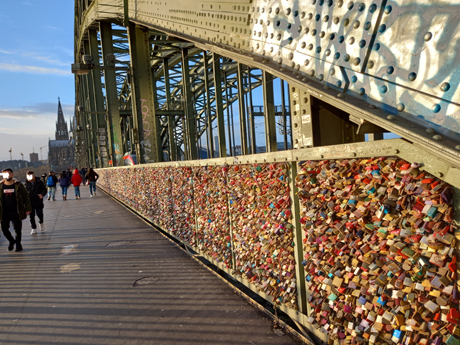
{"type": "Point", "coordinates": [76, 180]}
{"type": "Point", "coordinates": [37, 191]}
{"type": "Point", "coordinates": [64, 182]}
{"type": "Point", "coordinates": [51, 182]}
{"type": "Point", "coordinates": [14, 207]}
{"type": "Point", "coordinates": [92, 177]}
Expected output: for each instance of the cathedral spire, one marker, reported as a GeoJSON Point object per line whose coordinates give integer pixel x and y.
{"type": "Point", "coordinates": [61, 126]}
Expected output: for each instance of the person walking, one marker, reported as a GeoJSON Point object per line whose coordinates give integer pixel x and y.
{"type": "Point", "coordinates": [76, 181]}
{"type": "Point", "coordinates": [69, 173]}
{"type": "Point", "coordinates": [64, 182]}
{"type": "Point", "coordinates": [51, 182]}
{"type": "Point", "coordinates": [82, 174]}
{"type": "Point", "coordinates": [44, 177]}
{"type": "Point", "coordinates": [92, 177]}
{"type": "Point", "coordinates": [37, 191]}
{"type": "Point", "coordinates": [14, 207]}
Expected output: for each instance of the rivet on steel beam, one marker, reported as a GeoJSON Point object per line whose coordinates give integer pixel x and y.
{"type": "Point", "coordinates": [391, 117]}
{"type": "Point", "coordinates": [457, 147]}
{"type": "Point", "coordinates": [322, 156]}
{"type": "Point", "coordinates": [400, 107]}
{"type": "Point", "coordinates": [437, 137]}
{"type": "Point", "coordinates": [445, 86]}
{"type": "Point", "coordinates": [341, 95]}
{"type": "Point", "coordinates": [430, 130]}
{"type": "Point", "coordinates": [372, 106]}
{"type": "Point", "coordinates": [440, 174]}
{"type": "Point", "coordinates": [428, 36]}
{"type": "Point", "coordinates": [396, 151]}
{"type": "Point", "coordinates": [354, 154]}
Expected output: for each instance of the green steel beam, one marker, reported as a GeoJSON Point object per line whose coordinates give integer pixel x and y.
{"type": "Point", "coordinates": [172, 137]}
{"type": "Point", "coordinates": [111, 94]}
{"type": "Point", "coordinates": [99, 121]}
{"type": "Point", "coordinates": [216, 67]}
{"type": "Point", "coordinates": [269, 107]}
{"type": "Point", "coordinates": [143, 103]}
{"type": "Point", "coordinates": [210, 142]}
{"type": "Point", "coordinates": [90, 105]}
{"type": "Point", "coordinates": [242, 111]}
{"type": "Point", "coordinates": [190, 125]}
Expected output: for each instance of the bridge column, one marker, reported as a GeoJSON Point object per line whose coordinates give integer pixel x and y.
{"type": "Point", "coordinates": [171, 118]}
{"type": "Point", "coordinates": [242, 111]}
{"type": "Point", "coordinates": [210, 142]}
{"type": "Point", "coordinates": [98, 121]}
{"type": "Point", "coordinates": [190, 123]}
{"type": "Point", "coordinates": [148, 143]}
{"type": "Point", "coordinates": [111, 94]}
{"type": "Point", "coordinates": [84, 101]}
{"type": "Point", "coordinates": [219, 104]}
{"type": "Point", "coordinates": [92, 140]}
{"type": "Point", "coordinates": [83, 137]}
{"type": "Point", "coordinates": [269, 112]}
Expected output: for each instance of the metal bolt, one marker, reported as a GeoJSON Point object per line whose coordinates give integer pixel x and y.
{"type": "Point", "coordinates": [391, 117]}
{"type": "Point", "coordinates": [430, 130]}
{"type": "Point", "coordinates": [440, 174]}
{"type": "Point", "coordinates": [437, 137]}
{"type": "Point", "coordinates": [396, 151]}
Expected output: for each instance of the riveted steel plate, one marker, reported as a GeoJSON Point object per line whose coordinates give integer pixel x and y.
{"type": "Point", "coordinates": [337, 31]}
{"type": "Point", "coordinates": [399, 99]}
{"type": "Point", "coordinates": [417, 46]}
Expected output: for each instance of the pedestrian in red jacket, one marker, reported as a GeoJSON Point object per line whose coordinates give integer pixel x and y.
{"type": "Point", "coordinates": [76, 181]}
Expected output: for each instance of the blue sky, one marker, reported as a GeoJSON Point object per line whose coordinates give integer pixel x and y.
{"type": "Point", "coordinates": [36, 50]}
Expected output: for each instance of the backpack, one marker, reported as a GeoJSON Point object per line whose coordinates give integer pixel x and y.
{"type": "Point", "coordinates": [50, 181]}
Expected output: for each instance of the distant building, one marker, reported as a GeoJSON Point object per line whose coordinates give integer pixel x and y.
{"type": "Point", "coordinates": [33, 157]}
{"type": "Point", "coordinates": [61, 150]}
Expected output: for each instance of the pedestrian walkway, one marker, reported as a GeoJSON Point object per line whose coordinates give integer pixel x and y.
{"type": "Point", "coordinates": [73, 284]}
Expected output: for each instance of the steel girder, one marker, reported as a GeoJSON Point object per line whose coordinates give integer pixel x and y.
{"type": "Point", "coordinates": [384, 64]}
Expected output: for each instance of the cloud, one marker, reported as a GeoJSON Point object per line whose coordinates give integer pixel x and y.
{"type": "Point", "coordinates": [52, 28]}
{"type": "Point", "coordinates": [5, 52]}
{"type": "Point", "coordinates": [39, 111]}
{"type": "Point", "coordinates": [33, 69]}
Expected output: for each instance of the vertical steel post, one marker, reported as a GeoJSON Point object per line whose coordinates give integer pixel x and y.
{"type": "Point", "coordinates": [143, 102]}
{"type": "Point", "coordinates": [252, 127]}
{"type": "Point", "coordinates": [92, 108]}
{"type": "Point", "coordinates": [210, 144]}
{"type": "Point", "coordinates": [269, 112]}
{"type": "Point", "coordinates": [243, 131]}
{"type": "Point", "coordinates": [111, 94]}
{"type": "Point", "coordinates": [98, 121]}
{"type": "Point", "coordinates": [171, 118]}
{"type": "Point", "coordinates": [219, 106]}
{"type": "Point", "coordinates": [298, 243]}
{"type": "Point", "coordinates": [227, 106]}
{"type": "Point", "coordinates": [190, 128]}
{"type": "Point", "coordinates": [283, 113]}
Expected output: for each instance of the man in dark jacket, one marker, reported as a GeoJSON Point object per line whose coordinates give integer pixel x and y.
{"type": "Point", "coordinates": [37, 191]}
{"type": "Point", "coordinates": [14, 207]}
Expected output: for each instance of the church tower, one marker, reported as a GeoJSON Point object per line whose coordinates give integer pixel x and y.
{"type": "Point", "coordinates": [61, 126]}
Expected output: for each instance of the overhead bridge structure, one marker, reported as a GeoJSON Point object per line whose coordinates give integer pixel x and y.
{"type": "Point", "coordinates": [262, 128]}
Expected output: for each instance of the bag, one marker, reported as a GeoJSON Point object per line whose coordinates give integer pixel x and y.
{"type": "Point", "coordinates": [50, 181]}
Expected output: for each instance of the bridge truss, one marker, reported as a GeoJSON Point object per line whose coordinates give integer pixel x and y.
{"type": "Point", "coordinates": [183, 81]}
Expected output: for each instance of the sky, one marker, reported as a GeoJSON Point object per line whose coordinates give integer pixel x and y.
{"type": "Point", "coordinates": [36, 51]}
